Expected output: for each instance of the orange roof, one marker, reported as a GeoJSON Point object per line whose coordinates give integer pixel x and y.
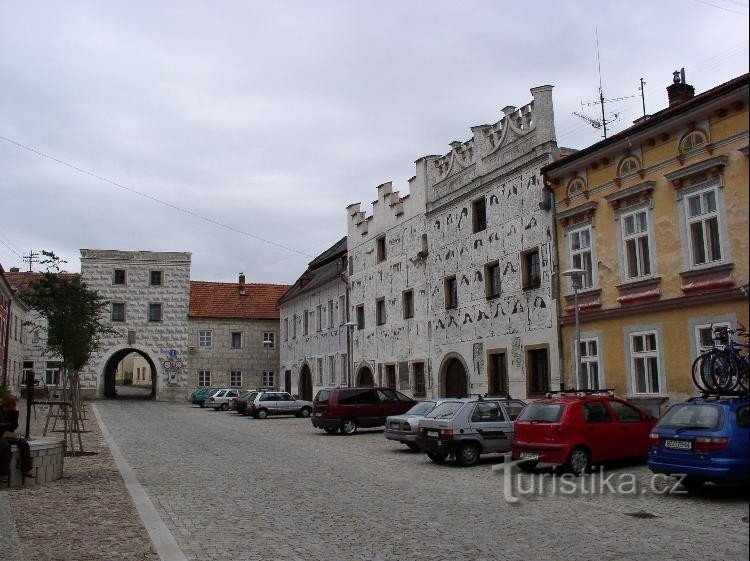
{"type": "Point", "coordinates": [223, 300]}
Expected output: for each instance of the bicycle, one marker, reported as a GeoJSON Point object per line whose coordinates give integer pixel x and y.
{"type": "Point", "coordinates": [723, 368]}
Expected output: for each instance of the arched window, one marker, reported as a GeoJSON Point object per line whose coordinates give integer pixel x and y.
{"type": "Point", "coordinates": [692, 140]}
{"type": "Point", "coordinates": [628, 165]}
{"type": "Point", "coordinates": [576, 186]}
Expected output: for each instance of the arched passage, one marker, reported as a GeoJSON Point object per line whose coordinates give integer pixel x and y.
{"type": "Point", "coordinates": [454, 379]}
{"type": "Point", "coordinates": [365, 377]}
{"type": "Point", "coordinates": [130, 373]}
{"type": "Point", "coordinates": [305, 389]}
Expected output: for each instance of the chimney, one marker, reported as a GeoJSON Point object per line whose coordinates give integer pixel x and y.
{"type": "Point", "coordinates": [242, 284]}
{"type": "Point", "coordinates": [679, 91]}
{"type": "Point", "coordinates": [14, 270]}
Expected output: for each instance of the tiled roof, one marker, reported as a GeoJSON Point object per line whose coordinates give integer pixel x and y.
{"type": "Point", "coordinates": [20, 281]}
{"type": "Point", "coordinates": [223, 300]}
{"type": "Point", "coordinates": [324, 268]}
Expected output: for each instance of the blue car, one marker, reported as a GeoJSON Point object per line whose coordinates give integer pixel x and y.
{"type": "Point", "coordinates": [704, 439]}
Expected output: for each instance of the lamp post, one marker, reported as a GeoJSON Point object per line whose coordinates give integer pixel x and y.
{"type": "Point", "coordinates": [576, 278]}
{"type": "Point", "coordinates": [349, 348]}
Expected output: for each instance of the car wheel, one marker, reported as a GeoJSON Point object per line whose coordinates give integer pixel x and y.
{"type": "Point", "coordinates": [468, 454]}
{"type": "Point", "coordinates": [224, 406]}
{"type": "Point", "coordinates": [692, 482]}
{"type": "Point", "coordinates": [330, 430]}
{"type": "Point", "coordinates": [437, 457]}
{"type": "Point", "coordinates": [348, 426]}
{"type": "Point", "coordinates": [304, 412]}
{"type": "Point", "coordinates": [579, 461]}
{"type": "Point", "coordinates": [262, 414]}
{"type": "Point", "coordinates": [412, 446]}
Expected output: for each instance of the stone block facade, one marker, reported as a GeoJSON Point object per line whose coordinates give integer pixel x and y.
{"type": "Point", "coordinates": [48, 456]}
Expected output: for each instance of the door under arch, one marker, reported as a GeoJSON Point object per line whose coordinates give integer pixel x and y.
{"type": "Point", "coordinates": [365, 377]}
{"type": "Point", "coordinates": [132, 372]}
{"type": "Point", "coordinates": [305, 384]}
{"type": "Point", "coordinates": [455, 380]}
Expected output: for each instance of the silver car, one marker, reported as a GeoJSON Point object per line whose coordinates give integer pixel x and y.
{"type": "Point", "coordinates": [268, 403]}
{"type": "Point", "coordinates": [222, 398]}
{"type": "Point", "coordinates": [403, 428]}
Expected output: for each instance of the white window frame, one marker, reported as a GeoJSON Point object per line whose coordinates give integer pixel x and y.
{"type": "Point", "coordinates": [294, 326]}
{"type": "Point", "coordinates": [306, 323]}
{"type": "Point", "coordinates": [52, 373]}
{"type": "Point", "coordinates": [204, 378]}
{"type": "Point", "coordinates": [703, 218]}
{"type": "Point", "coordinates": [332, 369]}
{"type": "Point", "coordinates": [591, 280]}
{"type": "Point", "coordinates": [205, 338]}
{"type": "Point", "coordinates": [268, 379]}
{"type": "Point", "coordinates": [625, 238]}
{"type": "Point", "coordinates": [344, 366]}
{"type": "Point", "coordinates": [331, 314]}
{"type": "Point", "coordinates": [235, 378]}
{"type": "Point", "coordinates": [319, 318]}
{"type": "Point", "coordinates": [588, 360]}
{"type": "Point", "coordinates": [269, 339]}
{"type": "Point", "coordinates": [319, 365]}
{"type": "Point", "coordinates": [342, 309]}
{"type": "Point", "coordinates": [699, 347]}
{"type": "Point", "coordinates": [646, 355]}
{"type": "Point", "coordinates": [286, 329]}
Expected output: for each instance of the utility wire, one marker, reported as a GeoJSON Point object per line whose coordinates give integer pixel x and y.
{"type": "Point", "coordinates": [720, 7]}
{"type": "Point", "coordinates": [10, 248]}
{"type": "Point", "coordinates": [150, 197]}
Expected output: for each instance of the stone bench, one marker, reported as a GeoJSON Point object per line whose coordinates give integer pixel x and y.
{"type": "Point", "coordinates": [47, 453]}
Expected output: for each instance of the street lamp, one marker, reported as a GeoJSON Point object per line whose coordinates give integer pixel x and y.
{"type": "Point", "coordinates": [349, 348]}
{"type": "Point", "coordinates": [576, 280]}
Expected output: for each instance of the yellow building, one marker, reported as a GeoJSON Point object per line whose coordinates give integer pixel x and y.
{"type": "Point", "coordinates": [657, 216]}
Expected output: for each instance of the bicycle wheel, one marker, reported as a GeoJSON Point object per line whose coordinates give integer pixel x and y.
{"type": "Point", "coordinates": [698, 372]}
{"type": "Point", "coordinates": [743, 372]}
{"type": "Point", "coordinates": [722, 372]}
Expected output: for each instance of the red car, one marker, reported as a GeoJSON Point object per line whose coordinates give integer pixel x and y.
{"type": "Point", "coordinates": [577, 430]}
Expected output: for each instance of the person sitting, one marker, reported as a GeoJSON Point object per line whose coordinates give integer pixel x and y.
{"type": "Point", "coordinates": [8, 436]}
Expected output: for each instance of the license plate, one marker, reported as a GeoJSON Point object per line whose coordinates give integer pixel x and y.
{"type": "Point", "coordinates": [395, 426]}
{"type": "Point", "coordinates": [528, 456]}
{"type": "Point", "coordinates": [432, 433]}
{"type": "Point", "coordinates": [678, 444]}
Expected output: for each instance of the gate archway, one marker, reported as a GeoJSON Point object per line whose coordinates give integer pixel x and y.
{"type": "Point", "coordinates": [131, 385]}
{"type": "Point", "coordinates": [305, 388]}
{"type": "Point", "coordinates": [454, 379]}
{"type": "Point", "coordinates": [365, 377]}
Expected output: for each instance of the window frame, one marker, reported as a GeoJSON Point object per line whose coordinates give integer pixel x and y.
{"type": "Point", "coordinates": [530, 375]}
{"type": "Point", "coordinates": [205, 338]}
{"type": "Point", "coordinates": [380, 312]}
{"type": "Point", "coordinates": [306, 323]}
{"type": "Point", "coordinates": [151, 277]}
{"type": "Point", "coordinates": [360, 313]}
{"type": "Point", "coordinates": [645, 355]}
{"type": "Point", "coordinates": [586, 361]}
{"type": "Point", "coordinates": [407, 303]}
{"type": "Point", "coordinates": [342, 309]}
{"type": "Point", "coordinates": [493, 377]}
{"type": "Point", "coordinates": [527, 268]}
{"type": "Point", "coordinates": [590, 280]}
{"type": "Point", "coordinates": [233, 383]}
{"type": "Point", "coordinates": [419, 381]}
{"type": "Point", "coordinates": [123, 306]}
{"type": "Point", "coordinates": [232, 335]}
{"type": "Point", "coordinates": [381, 249]}
{"type": "Point", "coordinates": [161, 312]}
{"type": "Point", "coordinates": [269, 339]}
{"type": "Point", "coordinates": [690, 135]}
{"type": "Point", "coordinates": [319, 318]}
{"type": "Point", "coordinates": [479, 214]}
{"type": "Point", "coordinates": [450, 290]}
{"type": "Point", "coordinates": [268, 378]}
{"type": "Point", "coordinates": [702, 219]}
{"type": "Point", "coordinates": [331, 318]}
{"type": "Point", "coordinates": [492, 280]}
{"type": "Point", "coordinates": [624, 238]}
{"type": "Point", "coordinates": [124, 277]}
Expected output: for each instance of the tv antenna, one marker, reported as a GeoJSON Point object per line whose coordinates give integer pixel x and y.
{"type": "Point", "coordinates": [31, 258]}
{"type": "Point", "coordinates": [604, 121]}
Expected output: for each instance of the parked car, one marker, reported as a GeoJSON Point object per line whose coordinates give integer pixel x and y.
{"type": "Point", "coordinates": [403, 428]}
{"type": "Point", "coordinates": [221, 398]}
{"type": "Point", "coordinates": [468, 427]}
{"type": "Point", "coordinates": [198, 397]}
{"type": "Point", "coordinates": [265, 403]}
{"type": "Point", "coordinates": [703, 439]}
{"type": "Point", "coordinates": [578, 429]}
{"type": "Point", "coordinates": [347, 409]}
{"type": "Point", "coordinates": [239, 403]}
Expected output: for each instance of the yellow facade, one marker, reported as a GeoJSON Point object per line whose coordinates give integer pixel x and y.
{"type": "Point", "coordinates": [657, 215]}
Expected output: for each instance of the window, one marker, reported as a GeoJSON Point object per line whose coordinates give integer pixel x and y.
{"type": "Point", "coordinates": [361, 316]}
{"type": "Point", "coordinates": [330, 314]}
{"type": "Point", "coordinates": [596, 412]}
{"type": "Point", "coordinates": [704, 335]}
{"type": "Point", "coordinates": [235, 379]}
{"type": "Point", "coordinates": [205, 338]}
{"type": "Point", "coordinates": [380, 246]}
{"type": "Point", "coordinates": [269, 340]}
{"type": "Point", "coordinates": [268, 379]}
{"type": "Point", "coordinates": [576, 186]}
{"type": "Point", "coordinates": [294, 326]}
{"type": "Point", "coordinates": [419, 382]}
{"type": "Point", "coordinates": [390, 376]}
{"type": "Point", "coordinates": [644, 356]}
{"type": "Point", "coordinates": [286, 329]}
{"type": "Point", "coordinates": [305, 323]}
{"type": "Point", "coordinates": [28, 369]}
{"type": "Point", "coordinates": [344, 367]}
{"type": "Point", "coordinates": [118, 311]}
{"type": "Point", "coordinates": [320, 371]}
{"type": "Point", "coordinates": [52, 373]}
{"type": "Point", "coordinates": [154, 312]}
{"type": "Point", "coordinates": [487, 413]}
{"type": "Point", "coordinates": [492, 280]}
{"type": "Point", "coordinates": [204, 377]}
{"type": "Point", "coordinates": [119, 276]}
{"type": "Point", "coordinates": [579, 242]}
{"type": "Point", "coordinates": [342, 309]}
{"type": "Point", "coordinates": [380, 311]}
{"type": "Point", "coordinates": [451, 292]}
{"type": "Point", "coordinates": [332, 369]}
{"type": "Point", "coordinates": [408, 303]}
{"type": "Point", "coordinates": [479, 215]}
{"type": "Point", "coordinates": [532, 271]}
{"type": "Point", "coordinates": [155, 278]}
{"type": "Point", "coordinates": [628, 165]}
{"type": "Point", "coordinates": [498, 374]}
{"type": "Point", "coordinates": [319, 318]}
{"type": "Point", "coordinates": [636, 244]}
{"type": "Point", "coordinates": [624, 413]}
{"type": "Point", "coordinates": [589, 372]}
{"type": "Point", "coordinates": [236, 339]}
{"type": "Point", "coordinates": [538, 371]}
{"type": "Point", "coordinates": [692, 140]}
{"type": "Point", "coordinates": [703, 227]}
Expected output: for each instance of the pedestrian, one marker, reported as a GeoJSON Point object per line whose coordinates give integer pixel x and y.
{"type": "Point", "coordinates": [8, 436]}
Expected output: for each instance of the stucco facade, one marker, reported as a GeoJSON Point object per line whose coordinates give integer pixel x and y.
{"type": "Point", "coordinates": [657, 216]}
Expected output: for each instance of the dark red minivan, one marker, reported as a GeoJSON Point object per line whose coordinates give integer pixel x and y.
{"type": "Point", "coordinates": [347, 409]}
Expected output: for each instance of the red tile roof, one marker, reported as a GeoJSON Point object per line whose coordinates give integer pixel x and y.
{"type": "Point", "coordinates": [223, 300]}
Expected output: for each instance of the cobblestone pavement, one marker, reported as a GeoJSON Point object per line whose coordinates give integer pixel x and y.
{"type": "Point", "coordinates": [232, 487]}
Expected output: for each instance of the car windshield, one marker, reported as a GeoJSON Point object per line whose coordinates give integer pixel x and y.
{"type": "Point", "coordinates": [542, 412]}
{"type": "Point", "coordinates": [445, 410]}
{"type": "Point", "coordinates": [251, 396]}
{"type": "Point", "coordinates": [322, 396]}
{"type": "Point", "coordinates": [696, 416]}
{"type": "Point", "coordinates": [421, 409]}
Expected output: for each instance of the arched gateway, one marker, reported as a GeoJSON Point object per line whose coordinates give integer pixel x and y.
{"type": "Point", "coordinates": [305, 389]}
{"type": "Point", "coordinates": [454, 379]}
{"type": "Point", "coordinates": [365, 377]}
{"type": "Point", "coordinates": [119, 382]}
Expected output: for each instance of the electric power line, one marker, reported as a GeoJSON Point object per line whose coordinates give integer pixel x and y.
{"type": "Point", "coordinates": [706, 3]}
{"type": "Point", "coordinates": [150, 197]}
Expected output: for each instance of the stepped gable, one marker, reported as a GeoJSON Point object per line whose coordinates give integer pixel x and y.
{"type": "Point", "coordinates": [235, 300]}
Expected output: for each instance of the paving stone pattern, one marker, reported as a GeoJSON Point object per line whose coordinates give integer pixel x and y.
{"type": "Point", "coordinates": [232, 487]}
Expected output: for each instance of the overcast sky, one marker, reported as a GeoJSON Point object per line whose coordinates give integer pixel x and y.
{"type": "Point", "coordinates": [271, 117]}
